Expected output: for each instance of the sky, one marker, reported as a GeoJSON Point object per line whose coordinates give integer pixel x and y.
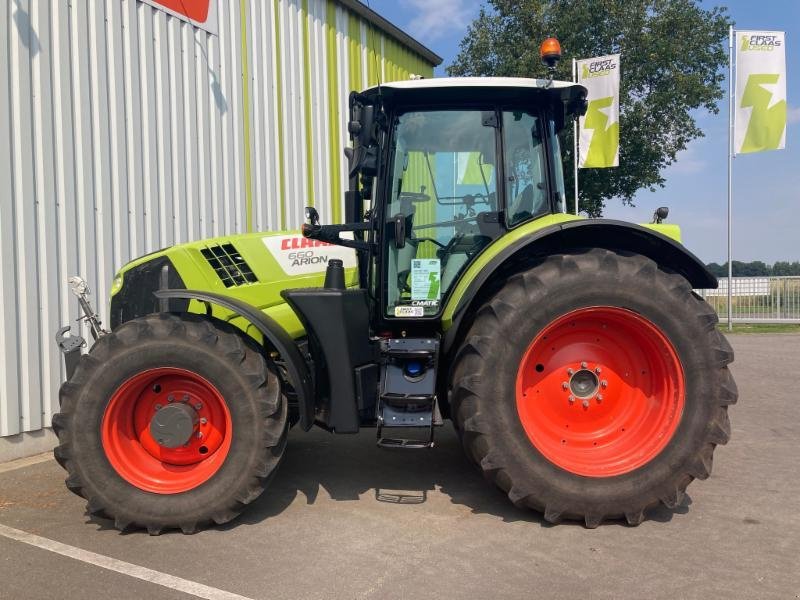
{"type": "Point", "coordinates": [766, 198]}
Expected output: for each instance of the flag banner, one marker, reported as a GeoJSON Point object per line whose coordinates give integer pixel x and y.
{"type": "Point", "coordinates": [200, 13]}
{"type": "Point", "coordinates": [599, 127]}
{"type": "Point", "coordinates": [471, 171]}
{"type": "Point", "coordinates": [760, 114]}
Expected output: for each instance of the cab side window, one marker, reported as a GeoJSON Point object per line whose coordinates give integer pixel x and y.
{"type": "Point", "coordinates": [525, 167]}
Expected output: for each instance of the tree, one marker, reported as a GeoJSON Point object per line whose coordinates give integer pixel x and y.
{"type": "Point", "coordinates": [755, 268]}
{"type": "Point", "coordinates": [786, 268]}
{"type": "Point", "coordinates": [672, 57]}
{"type": "Point", "coordinates": [718, 270]}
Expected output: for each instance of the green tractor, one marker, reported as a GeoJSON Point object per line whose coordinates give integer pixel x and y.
{"type": "Point", "coordinates": [582, 374]}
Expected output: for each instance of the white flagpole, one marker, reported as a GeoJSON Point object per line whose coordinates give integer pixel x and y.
{"type": "Point", "coordinates": [575, 138]}
{"type": "Point", "coordinates": [730, 176]}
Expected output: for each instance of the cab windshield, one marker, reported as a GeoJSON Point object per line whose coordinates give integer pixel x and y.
{"type": "Point", "coordinates": [443, 207]}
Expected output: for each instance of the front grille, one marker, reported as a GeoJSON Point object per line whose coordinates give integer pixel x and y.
{"type": "Point", "coordinates": [229, 265]}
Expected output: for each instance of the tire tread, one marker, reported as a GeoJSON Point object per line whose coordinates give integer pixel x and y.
{"type": "Point", "coordinates": [244, 355]}
{"type": "Point", "coordinates": [525, 289]}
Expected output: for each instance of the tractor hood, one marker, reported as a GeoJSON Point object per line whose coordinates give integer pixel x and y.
{"type": "Point", "coordinates": [253, 267]}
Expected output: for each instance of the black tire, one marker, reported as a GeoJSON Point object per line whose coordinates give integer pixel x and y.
{"type": "Point", "coordinates": [484, 375]}
{"type": "Point", "coordinates": [222, 355]}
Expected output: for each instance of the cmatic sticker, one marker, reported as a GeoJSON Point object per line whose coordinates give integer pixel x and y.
{"type": "Point", "coordinates": [425, 278]}
{"type": "Point", "coordinates": [409, 311]}
{"type": "Point", "coordinates": [298, 255]}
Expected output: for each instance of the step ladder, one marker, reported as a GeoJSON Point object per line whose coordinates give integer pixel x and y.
{"type": "Point", "coordinates": [408, 392]}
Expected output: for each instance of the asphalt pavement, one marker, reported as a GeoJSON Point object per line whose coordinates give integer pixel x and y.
{"type": "Point", "coordinates": [344, 519]}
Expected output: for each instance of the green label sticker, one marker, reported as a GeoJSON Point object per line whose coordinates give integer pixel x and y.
{"type": "Point", "coordinates": [425, 277]}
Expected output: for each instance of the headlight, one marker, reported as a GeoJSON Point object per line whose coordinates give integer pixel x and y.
{"type": "Point", "coordinates": [116, 285]}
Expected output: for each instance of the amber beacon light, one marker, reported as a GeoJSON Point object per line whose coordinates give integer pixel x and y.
{"type": "Point", "coordinates": [550, 52]}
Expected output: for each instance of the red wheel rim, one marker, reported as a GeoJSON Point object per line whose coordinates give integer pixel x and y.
{"type": "Point", "coordinates": [138, 458]}
{"type": "Point", "coordinates": [600, 391]}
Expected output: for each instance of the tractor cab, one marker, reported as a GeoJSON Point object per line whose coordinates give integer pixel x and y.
{"type": "Point", "coordinates": [439, 169]}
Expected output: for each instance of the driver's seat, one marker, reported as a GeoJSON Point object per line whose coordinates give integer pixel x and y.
{"type": "Point", "coordinates": [527, 204]}
{"type": "Point", "coordinates": [453, 266]}
{"type": "Point", "coordinates": [522, 208]}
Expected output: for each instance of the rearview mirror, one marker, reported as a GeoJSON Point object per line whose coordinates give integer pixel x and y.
{"type": "Point", "coordinates": [362, 124]}
{"type": "Point", "coordinates": [399, 230]}
{"type": "Point", "coordinates": [312, 216]}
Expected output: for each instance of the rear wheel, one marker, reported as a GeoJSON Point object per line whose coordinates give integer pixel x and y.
{"type": "Point", "coordinates": [608, 391]}
{"type": "Point", "coordinates": [171, 422]}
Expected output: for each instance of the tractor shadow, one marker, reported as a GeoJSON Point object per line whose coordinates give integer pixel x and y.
{"type": "Point", "coordinates": [350, 468]}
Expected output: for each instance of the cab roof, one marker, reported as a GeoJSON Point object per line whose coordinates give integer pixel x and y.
{"type": "Point", "coordinates": [471, 82]}
{"type": "Point", "coordinates": [476, 89]}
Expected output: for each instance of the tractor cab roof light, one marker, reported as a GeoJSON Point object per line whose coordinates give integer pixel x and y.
{"type": "Point", "coordinates": [550, 53]}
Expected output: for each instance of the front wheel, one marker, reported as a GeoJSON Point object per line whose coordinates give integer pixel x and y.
{"type": "Point", "coordinates": [171, 422]}
{"type": "Point", "coordinates": [608, 391]}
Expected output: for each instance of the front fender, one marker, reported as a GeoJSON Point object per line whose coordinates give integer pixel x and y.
{"type": "Point", "coordinates": [274, 336]}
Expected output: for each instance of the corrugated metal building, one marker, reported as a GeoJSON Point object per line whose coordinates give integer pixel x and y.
{"type": "Point", "coordinates": [124, 129]}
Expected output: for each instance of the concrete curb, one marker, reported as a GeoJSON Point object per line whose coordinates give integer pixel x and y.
{"type": "Point", "coordinates": [27, 444]}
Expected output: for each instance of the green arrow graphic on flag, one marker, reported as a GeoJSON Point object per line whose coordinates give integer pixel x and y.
{"type": "Point", "coordinates": [745, 43]}
{"type": "Point", "coordinates": [765, 129]}
{"type": "Point", "coordinates": [605, 139]}
{"type": "Point", "coordinates": [475, 172]}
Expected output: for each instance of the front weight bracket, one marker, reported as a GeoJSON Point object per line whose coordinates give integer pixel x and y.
{"type": "Point", "coordinates": [70, 346]}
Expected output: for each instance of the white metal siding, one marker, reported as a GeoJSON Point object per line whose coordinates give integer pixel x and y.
{"type": "Point", "coordinates": [122, 132]}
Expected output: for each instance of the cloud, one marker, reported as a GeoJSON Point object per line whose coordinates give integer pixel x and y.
{"type": "Point", "coordinates": [688, 162]}
{"type": "Point", "coordinates": [437, 18]}
{"type": "Point", "coordinates": [793, 114]}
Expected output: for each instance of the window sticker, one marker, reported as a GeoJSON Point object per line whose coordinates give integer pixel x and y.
{"type": "Point", "coordinates": [409, 311]}
{"type": "Point", "coordinates": [425, 279]}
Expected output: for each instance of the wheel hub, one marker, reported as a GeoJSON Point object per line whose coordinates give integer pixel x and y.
{"type": "Point", "coordinates": [173, 426]}
{"type": "Point", "coordinates": [584, 384]}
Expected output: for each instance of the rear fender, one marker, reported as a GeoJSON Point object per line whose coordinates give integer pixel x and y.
{"type": "Point", "coordinates": [275, 338]}
{"type": "Point", "coordinates": [571, 235]}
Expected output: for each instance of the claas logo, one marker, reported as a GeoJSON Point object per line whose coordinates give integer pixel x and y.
{"type": "Point", "coordinates": [297, 243]}
{"type": "Point", "coordinates": [598, 68]}
{"type": "Point", "coordinates": [194, 10]}
{"type": "Point", "coordinates": [760, 42]}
